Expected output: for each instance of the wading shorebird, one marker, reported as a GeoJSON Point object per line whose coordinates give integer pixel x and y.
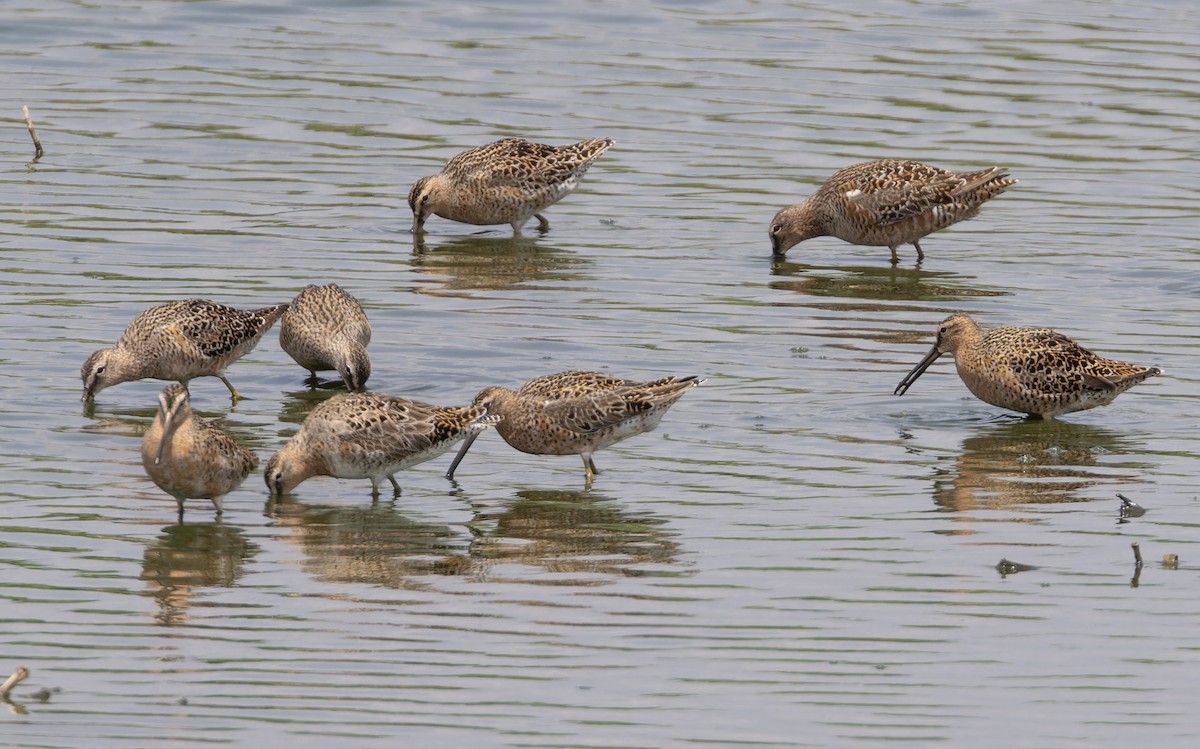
{"type": "Point", "coordinates": [325, 328]}
{"type": "Point", "coordinates": [577, 413]}
{"type": "Point", "coordinates": [369, 436]}
{"type": "Point", "coordinates": [179, 341]}
{"type": "Point", "coordinates": [887, 203]}
{"type": "Point", "coordinates": [189, 457]}
{"type": "Point", "coordinates": [506, 182]}
{"type": "Point", "coordinates": [1036, 371]}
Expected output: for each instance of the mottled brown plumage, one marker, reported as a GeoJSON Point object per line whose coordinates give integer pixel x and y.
{"type": "Point", "coordinates": [189, 457]}
{"type": "Point", "coordinates": [506, 182]}
{"type": "Point", "coordinates": [179, 341]}
{"type": "Point", "coordinates": [887, 203]}
{"type": "Point", "coordinates": [577, 413]}
{"type": "Point", "coordinates": [368, 435]}
{"type": "Point", "coordinates": [325, 328]}
{"type": "Point", "coordinates": [1036, 371]}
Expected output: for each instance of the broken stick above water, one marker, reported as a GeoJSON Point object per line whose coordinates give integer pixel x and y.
{"type": "Point", "coordinates": [17, 677]}
{"type": "Point", "coordinates": [37, 144]}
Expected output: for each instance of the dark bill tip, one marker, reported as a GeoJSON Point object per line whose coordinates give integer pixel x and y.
{"type": "Point", "coordinates": [917, 371]}
{"type": "Point", "coordinates": [462, 452]}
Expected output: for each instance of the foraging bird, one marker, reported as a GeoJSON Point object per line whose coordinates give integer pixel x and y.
{"type": "Point", "coordinates": [1036, 371]}
{"type": "Point", "coordinates": [368, 435]}
{"type": "Point", "coordinates": [506, 182]}
{"type": "Point", "coordinates": [189, 457]}
{"type": "Point", "coordinates": [325, 328]}
{"type": "Point", "coordinates": [179, 341]}
{"type": "Point", "coordinates": [577, 413]}
{"type": "Point", "coordinates": [887, 203]}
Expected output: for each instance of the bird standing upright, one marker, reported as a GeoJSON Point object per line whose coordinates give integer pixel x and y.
{"type": "Point", "coordinates": [1036, 371]}
{"type": "Point", "coordinates": [189, 457]}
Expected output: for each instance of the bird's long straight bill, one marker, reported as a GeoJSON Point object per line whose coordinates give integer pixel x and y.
{"type": "Point", "coordinates": [168, 425]}
{"type": "Point", "coordinates": [917, 371]}
{"type": "Point", "coordinates": [462, 452]}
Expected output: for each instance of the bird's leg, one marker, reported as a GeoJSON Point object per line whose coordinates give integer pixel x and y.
{"type": "Point", "coordinates": [895, 255]}
{"type": "Point", "coordinates": [516, 225]}
{"type": "Point", "coordinates": [220, 507]}
{"type": "Point", "coordinates": [374, 488]}
{"type": "Point", "coordinates": [543, 224]}
{"type": "Point", "coordinates": [920, 253]}
{"type": "Point", "coordinates": [395, 486]}
{"type": "Point", "coordinates": [589, 467]}
{"type": "Point", "coordinates": [232, 391]}
{"type": "Point", "coordinates": [179, 503]}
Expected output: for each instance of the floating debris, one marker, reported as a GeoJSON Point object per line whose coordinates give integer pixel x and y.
{"type": "Point", "coordinates": [38, 152]}
{"type": "Point", "coordinates": [18, 676]}
{"type": "Point", "coordinates": [1129, 508]}
{"type": "Point", "coordinates": [1006, 567]}
{"type": "Point", "coordinates": [1170, 561]}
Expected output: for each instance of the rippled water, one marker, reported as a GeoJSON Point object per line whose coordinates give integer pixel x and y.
{"type": "Point", "coordinates": [794, 558]}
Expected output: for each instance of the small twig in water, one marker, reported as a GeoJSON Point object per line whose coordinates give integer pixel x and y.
{"type": "Point", "coordinates": [17, 677]}
{"type": "Point", "coordinates": [37, 144]}
{"type": "Point", "coordinates": [1137, 553]}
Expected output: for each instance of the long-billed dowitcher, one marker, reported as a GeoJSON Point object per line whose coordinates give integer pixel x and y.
{"type": "Point", "coordinates": [368, 435]}
{"type": "Point", "coordinates": [505, 182]}
{"type": "Point", "coordinates": [887, 203]}
{"type": "Point", "coordinates": [325, 328]}
{"type": "Point", "coordinates": [179, 341]}
{"type": "Point", "coordinates": [1036, 371]}
{"type": "Point", "coordinates": [577, 413]}
{"type": "Point", "coordinates": [189, 457]}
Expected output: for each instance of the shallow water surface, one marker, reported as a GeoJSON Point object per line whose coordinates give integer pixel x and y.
{"type": "Point", "coordinates": [795, 557]}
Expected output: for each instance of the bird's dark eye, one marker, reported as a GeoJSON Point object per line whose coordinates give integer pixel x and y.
{"type": "Point", "coordinates": [776, 228]}
{"type": "Point", "coordinates": [100, 369]}
{"type": "Point", "coordinates": [944, 329]}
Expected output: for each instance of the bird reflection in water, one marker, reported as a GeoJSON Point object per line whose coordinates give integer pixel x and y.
{"type": "Point", "coordinates": [875, 283]}
{"type": "Point", "coordinates": [196, 555]}
{"type": "Point", "coordinates": [118, 421]}
{"type": "Point", "coordinates": [372, 544]}
{"type": "Point", "coordinates": [1034, 462]}
{"type": "Point", "coordinates": [488, 263]}
{"type": "Point", "coordinates": [582, 537]}
{"type": "Point", "coordinates": [571, 533]}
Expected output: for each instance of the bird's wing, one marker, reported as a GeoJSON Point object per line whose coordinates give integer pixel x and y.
{"type": "Point", "coordinates": [215, 329]}
{"type": "Point", "coordinates": [600, 410]}
{"type": "Point", "coordinates": [1046, 361]}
